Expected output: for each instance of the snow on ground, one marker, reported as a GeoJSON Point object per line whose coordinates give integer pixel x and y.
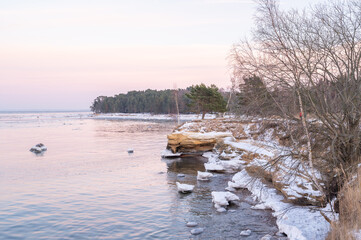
{"type": "Point", "coordinates": [357, 234]}
{"type": "Point", "coordinates": [249, 146]}
{"type": "Point", "coordinates": [217, 165]}
{"type": "Point", "coordinates": [301, 223]}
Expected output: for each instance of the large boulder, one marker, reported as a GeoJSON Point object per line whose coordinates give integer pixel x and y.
{"type": "Point", "coordinates": [194, 142]}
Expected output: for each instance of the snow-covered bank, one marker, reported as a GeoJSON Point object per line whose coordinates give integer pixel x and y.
{"type": "Point", "coordinates": [249, 149]}
{"type": "Point", "coordinates": [148, 116]}
{"type": "Point", "coordinates": [298, 222]}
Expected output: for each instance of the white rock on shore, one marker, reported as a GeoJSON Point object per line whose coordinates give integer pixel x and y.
{"type": "Point", "coordinates": [197, 231]}
{"type": "Point", "coordinates": [246, 233]}
{"type": "Point", "coordinates": [184, 188]}
{"type": "Point", "coordinates": [204, 176]}
{"type": "Point", "coordinates": [221, 199]}
{"type": "Point", "coordinates": [38, 148]}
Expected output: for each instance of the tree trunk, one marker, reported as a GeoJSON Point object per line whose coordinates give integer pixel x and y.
{"type": "Point", "coordinates": [309, 148]}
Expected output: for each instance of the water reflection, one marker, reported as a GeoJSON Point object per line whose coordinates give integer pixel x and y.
{"type": "Point", "coordinates": [198, 207]}
{"type": "Point", "coordinates": [87, 186]}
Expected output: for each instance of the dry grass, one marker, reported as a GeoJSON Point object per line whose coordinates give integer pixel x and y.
{"type": "Point", "coordinates": [350, 211]}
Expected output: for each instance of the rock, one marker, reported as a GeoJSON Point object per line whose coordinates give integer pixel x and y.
{"type": "Point", "coordinates": [203, 176]}
{"type": "Point", "coordinates": [197, 231]}
{"type": "Point", "coordinates": [193, 142]}
{"type": "Point", "coordinates": [130, 150]}
{"type": "Point", "coordinates": [38, 148]}
{"type": "Point", "coordinates": [220, 209]}
{"type": "Point", "coordinates": [184, 188]}
{"type": "Point", "coordinates": [221, 199]}
{"type": "Point", "coordinates": [246, 232]}
{"type": "Point", "coordinates": [266, 237]}
{"type": "Point", "coordinates": [191, 224]}
{"type": "Point", "coordinates": [181, 175]}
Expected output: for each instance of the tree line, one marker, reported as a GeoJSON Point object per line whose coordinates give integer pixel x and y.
{"type": "Point", "coordinates": [195, 99]}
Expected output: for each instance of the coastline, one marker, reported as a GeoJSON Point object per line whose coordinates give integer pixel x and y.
{"type": "Point", "coordinates": [246, 157]}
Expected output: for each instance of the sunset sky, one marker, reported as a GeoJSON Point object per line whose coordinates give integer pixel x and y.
{"type": "Point", "coordinates": [60, 55]}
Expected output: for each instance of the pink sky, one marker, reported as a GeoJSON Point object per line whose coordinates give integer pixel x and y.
{"type": "Point", "coordinates": [63, 54]}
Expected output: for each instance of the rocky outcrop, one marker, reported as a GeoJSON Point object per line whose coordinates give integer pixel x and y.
{"type": "Point", "coordinates": [194, 142]}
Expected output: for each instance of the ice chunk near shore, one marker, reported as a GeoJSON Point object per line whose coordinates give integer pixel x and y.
{"type": "Point", "coordinates": [214, 167]}
{"type": "Point", "coordinates": [38, 148]}
{"type": "Point", "coordinates": [184, 188]}
{"type": "Point", "coordinates": [221, 199]}
{"type": "Point", "coordinates": [191, 224]}
{"type": "Point", "coordinates": [181, 175]}
{"type": "Point", "coordinates": [166, 153]}
{"type": "Point", "coordinates": [197, 231]}
{"type": "Point", "coordinates": [246, 232]}
{"type": "Point", "coordinates": [204, 176]}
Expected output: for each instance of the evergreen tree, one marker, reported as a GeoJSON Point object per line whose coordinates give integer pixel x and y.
{"type": "Point", "coordinates": [205, 99]}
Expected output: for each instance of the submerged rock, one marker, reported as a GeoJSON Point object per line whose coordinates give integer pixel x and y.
{"type": "Point", "coordinates": [38, 148]}
{"type": "Point", "coordinates": [191, 224]}
{"type": "Point", "coordinates": [197, 231]}
{"type": "Point", "coordinates": [246, 232]}
{"type": "Point", "coordinates": [184, 188]}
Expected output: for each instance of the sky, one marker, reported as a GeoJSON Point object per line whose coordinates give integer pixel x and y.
{"type": "Point", "coordinates": [61, 55]}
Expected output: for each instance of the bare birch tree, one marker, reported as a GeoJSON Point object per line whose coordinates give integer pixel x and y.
{"type": "Point", "coordinates": [316, 54]}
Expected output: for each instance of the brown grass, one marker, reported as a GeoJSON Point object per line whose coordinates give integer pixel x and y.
{"type": "Point", "coordinates": [350, 211]}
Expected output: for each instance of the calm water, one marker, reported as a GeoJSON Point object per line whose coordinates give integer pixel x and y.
{"type": "Point", "coordinates": [86, 186]}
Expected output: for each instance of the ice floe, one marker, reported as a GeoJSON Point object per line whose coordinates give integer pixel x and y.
{"type": "Point", "coordinates": [222, 199]}
{"type": "Point", "coordinates": [204, 176]}
{"type": "Point", "coordinates": [184, 188]}
{"type": "Point", "coordinates": [166, 153]}
{"type": "Point", "coordinates": [191, 224]}
{"type": "Point", "coordinates": [247, 232]}
{"type": "Point", "coordinates": [38, 148]}
{"type": "Point", "coordinates": [197, 231]}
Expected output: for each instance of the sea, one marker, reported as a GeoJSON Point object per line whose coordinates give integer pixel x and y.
{"type": "Point", "coordinates": [88, 186]}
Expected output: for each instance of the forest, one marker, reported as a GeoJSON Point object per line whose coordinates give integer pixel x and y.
{"type": "Point", "coordinates": [162, 101]}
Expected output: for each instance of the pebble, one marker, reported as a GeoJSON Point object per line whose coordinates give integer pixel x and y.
{"type": "Point", "coordinates": [246, 232]}
{"type": "Point", "coordinates": [191, 224]}
{"type": "Point", "coordinates": [197, 231]}
{"type": "Point", "coordinates": [181, 175]}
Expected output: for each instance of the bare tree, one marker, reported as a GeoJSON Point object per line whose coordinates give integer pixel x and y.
{"type": "Point", "coordinates": [315, 54]}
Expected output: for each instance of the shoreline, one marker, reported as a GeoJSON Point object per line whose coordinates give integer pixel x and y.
{"type": "Point", "coordinates": [244, 156]}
